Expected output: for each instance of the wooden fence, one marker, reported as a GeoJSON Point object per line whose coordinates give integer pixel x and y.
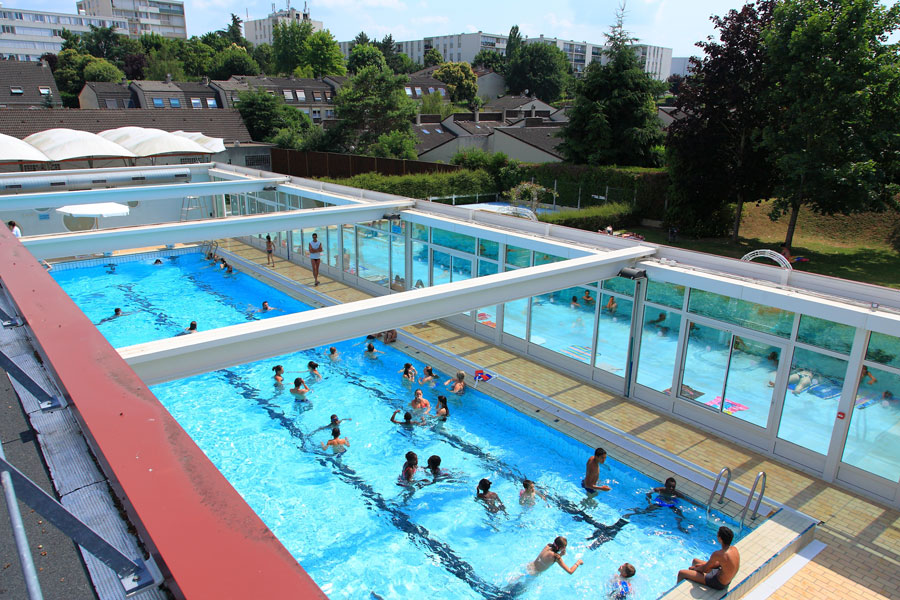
{"type": "Point", "coordinates": [338, 166]}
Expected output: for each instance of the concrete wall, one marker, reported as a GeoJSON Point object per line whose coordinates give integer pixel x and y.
{"type": "Point", "coordinates": [491, 86]}
{"type": "Point", "coordinates": [519, 150]}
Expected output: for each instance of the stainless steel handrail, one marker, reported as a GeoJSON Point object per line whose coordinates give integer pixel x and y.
{"type": "Point", "coordinates": [762, 492]}
{"type": "Point", "coordinates": [712, 493]}
{"type": "Point", "coordinates": [29, 573]}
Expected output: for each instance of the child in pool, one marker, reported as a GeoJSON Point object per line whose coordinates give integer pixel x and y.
{"type": "Point", "coordinates": [621, 587]}
{"type": "Point", "coordinates": [527, 493]}
{"type": "Point", "coordinates": [553, 553]}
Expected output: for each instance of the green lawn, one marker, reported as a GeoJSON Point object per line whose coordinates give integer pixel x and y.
{"type": "Point", "coordinates": [860, 247]}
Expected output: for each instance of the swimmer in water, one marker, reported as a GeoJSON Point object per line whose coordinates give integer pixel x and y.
{"type": "Point", "coordinates": [337, 443]}
{"type": "Point", "coordinates": [621, 586]}
{"type": "Point", "coordinates": [409, 372]}
{"type": "Point", "coordinates": [666, 497]}
{"type": "Point", "coordinates": [553, 553]}
{"type": "Point", "coordinates": [266, 307]}
{"type": "Point", "coordinates": [407, 419]}
{"type": "Point", "coordinates": [313, 367]}
{"type": "Point", "coordinates": [333, 354]}
{"type": "Point", "coordinates": [409, 468]}
{"type": "Point", "coordinates": [429, 376]}
{"type": "Point", "coordinates": [335, 421]}
{"type": "Point", "coordinates": [279, 373]}
{"type": "Point", "coordinates": [192, 328]}
{"type": "Point", "coordinates": [527, 495]}
{"type": "Point", "coordinates": [458, 384]}
{"type": "Point", "coordinates": [300, 388]}
{"type": "Point", "coordinates": [157, 261]}
{"type": "Point", "coordinates": [490, 499]}
{"type": "Point", "coordinates": [434, 467]}
{"type": "Point", "coordinates": [371, 352]}
{"type": "Point", "coordinates": [592, 473]}
{"type": "Point", "coordinates": [116, 314]}
{"type": "Point", "coordinates": [442, 411]}
{"type": "Point", "coordinates": [419, 402]}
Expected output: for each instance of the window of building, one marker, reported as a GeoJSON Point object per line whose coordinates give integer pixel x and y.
{"type": "Point", "coordinates": [408, 91]}
{"type": "Point", "coordinates": [329, 113]}
{"type": "Point", "coordinates": [301, 95]}
{"type": "Point", "coordinates": [9, 29]}
{"type": "Point", "coordinates": [288, 95]}
{"type": "Point", "coordinates": [316, 115]}
{"type": "Point", "coordinates": [196, 103]}
{"type": "Point", "coordinates": [430, 90]}
{"type": "Point", "coordinates": [211, 103]}
{"type": "Point", "coordinates": [425, 131]}
{"type": "Point", "coordinates": [418, 91]}
{"type": "Point", "coordinates": [111, 103]}
{"type": "Point", "coordinates": [16, 90]}
{"type": "Point", "coordinates": [174, 102]}
{"type": "Point", "coordinates": [317, 96]}
{"type": "Point", "coordinates": [305, 111]}
{"type": "Point", "coordinates": [442, 91]}
{"type": "Point", "coordinates": [158, 103]}
{"type": "Point", "coordinates": [327, 96]}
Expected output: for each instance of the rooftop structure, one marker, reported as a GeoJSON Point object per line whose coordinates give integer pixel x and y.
{"type": "Point", "coordinates": [27, 34]}
{"type": "Point", "coordinates": [163, 17]}
{"type": "Point", "coordinates": [27, 85]}
{"type": "Point", "coordinates": [259, 31]}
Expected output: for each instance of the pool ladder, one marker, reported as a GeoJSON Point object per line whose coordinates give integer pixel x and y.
{"type": "Point", "coordinates": [210, 247]}
{"type": "Point", "coordinates": [760, 477]}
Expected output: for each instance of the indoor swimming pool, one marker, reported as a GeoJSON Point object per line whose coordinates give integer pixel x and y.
{"type": "Point", "coordinates": [345, 518]}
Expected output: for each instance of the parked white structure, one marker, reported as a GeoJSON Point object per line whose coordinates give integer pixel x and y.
{"type": "Point", "coordinates": [259, 31]}
{"type": "Point", "coordinates": [27, 34]}
{"type": "Point", "coordinates": [164, 17]}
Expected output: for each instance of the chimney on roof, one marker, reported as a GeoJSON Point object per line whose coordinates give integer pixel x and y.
{"type": "Point", "coordinates": [531, 112]}
{"type": "Point", "coordinates": [124, 81]}
{"type": "Point", "coordinates": [418, 118]}
{"type": "Point", "coordinates": [168, 78]}
{"type": "Point", "coordinates": [205, 80]}
{"type": "Point", "coordinates": [477, 116]}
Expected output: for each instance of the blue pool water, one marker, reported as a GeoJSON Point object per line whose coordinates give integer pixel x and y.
{"type": "Point", "coordinates": [356, 531]}
{"type": "Point", "coordinates": [160, 301]}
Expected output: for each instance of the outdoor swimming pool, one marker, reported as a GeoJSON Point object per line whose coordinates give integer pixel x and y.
{"type": "Point", "coordinates": [355, 530]}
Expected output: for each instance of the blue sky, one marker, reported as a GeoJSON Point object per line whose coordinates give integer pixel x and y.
{"type": "Point", "coordinates": [676, 24]}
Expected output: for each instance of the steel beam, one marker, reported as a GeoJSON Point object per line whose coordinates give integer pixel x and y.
{"type": "Point", "coordinates": [122, 238]}
{"type": "Point", "coordinates": [178, 357]}
{"type": "Point", "coordinates": [143, 193]}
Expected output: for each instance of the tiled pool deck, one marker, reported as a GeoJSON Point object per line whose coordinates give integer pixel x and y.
{"type": "Point", "coordinates": [862, 557]}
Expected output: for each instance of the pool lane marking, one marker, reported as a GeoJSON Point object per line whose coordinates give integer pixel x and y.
{"type": "Point", "coordinates": [450, 561]}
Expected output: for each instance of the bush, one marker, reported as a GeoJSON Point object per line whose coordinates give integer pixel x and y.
{"type": "Point", "coordinates": [506, 173]}
{"type": "Point", "coordinates": [595, 218]}
{"type": "Point", "coordinates": [421, 186]}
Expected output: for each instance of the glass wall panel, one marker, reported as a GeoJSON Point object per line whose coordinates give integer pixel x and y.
{"type": "Point", "coordinates": [453, 240]}
{"type": "Point", "coordinates": [349, 249]}
{"type": "Point", "coordinates": [305, 239]}
{"type": "Point", "coordinates": [487, 315]}
{"type": "Point", "coordinates": [518, 257]}
{"type": "Point", "coordinates": [811, 400]}
{"type": "Point", "coordinates": [514, 315]}
{"type": "Point", "coordinates": [373, 258]}
{"type": "Point", "coordinates": [667, 294]}
{"type": "Point", "coordinates": [489, 249]}
{"type": "Point", "coordinates": [873, 442]}
{"type": "Point", "coordinates": [884, 349]}
{"type": "Point", "coordinates": [420, 265]}
{"type": "Point", "coordinates": [398, 263]}
{"type": "Point", "coordinates": [560, 322]}
{"type": "Point", "coordinates": [332, 245]}
{"type": "Point", "coordinates": [740, 312]}
{"type": "Point", "coordinates": [619, 284]}
{"type": "Point", "coordinates": [542, 258]}
{"type": "Point", "coordinates": [462, 269]}
{"type": "Point", "coordinates": [613, 334]}
{"type": "Point", "coordinates": [705, 364]}
{"type": "Point", "coordinates": [419, 232]}
{"type": "Point", "coordinates": [659, 344]}
{"type": "Point", "coordinates": [440, 267]}
{"type": "Point", "coordinates": [826, 334]}
{"type": "Point", "coordinates": [748, 395]}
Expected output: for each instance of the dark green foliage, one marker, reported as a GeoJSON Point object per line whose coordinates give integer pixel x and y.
{"type": "Point", "coordinates": [373, 103]}
{"type": "Point", "coordinates": [540, 70]}
{"type": "Point", "coordinates": [264, 55]}
{"type": "Point", "coordinates": [595, 218]}
{"type": "Point", "coordinates": [361, 38]}
{"type": "Point", "coordinates": [365, 55]}
{"type": "Point", "coordinates": [232, 34]}
{"type": "Point", "coordinates": [423, 185]}
{"type": "Point", "coordinates": [395, 144]}
{"type": "Point", "coordinates": [490, 59]}
{"type": "Point", "coordinates": [233, 61]}
{"type": "Point", "coordinates": [265, 115]}
{"type": "Point", "coordinates": [433, 57]}
{"type": "Point", "coordinates": [289, 45]}
{"type": "Point", "coordinates": [461, 81]}
{"type": "Point", "coordinates": [506, 173]}
{"type": "Point", "coordinates": [514, 43]}
{"type": "Point", "coordinates": [51, 59]}
{"type": "Point", "coordinates": [614, 117]}
{"type": "Point", "coordinates": [323, 55]}
{"type": "Point", "coordinates": [404, 64]}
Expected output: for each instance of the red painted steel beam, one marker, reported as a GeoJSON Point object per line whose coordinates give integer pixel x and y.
{"type": "Point", "coordinates": [208, 542]}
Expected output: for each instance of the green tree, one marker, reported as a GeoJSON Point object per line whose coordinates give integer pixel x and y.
{"type": "Point", "coordinates": [365, 55]}
{"type": "Point", "coordinates": [233, 61]}
{"type": "Point", "coordinates": [100, 69]}
{"type": "Point", "coordinates": [833, 132]}
{"type": "Point", "coordinates": [541, 70]}
{"type": "Point", "coordinates": [713, 149]}
{"type": "Point", "coordinates": [289, 44]}
{"type": "Point", "coordinates": [433, 57]}
{"type": "Point", "coordinates": [265, 115]}
{"type": "Point", "coordinates": [514, 43]}
{"type": "Point", "coordinates": [164, 62]}
{"type": "Point", "coordinates": [614, 118]}
{"type": "Point", "coordinates": [432, 104]}
{"type": "Point", "coordinates": [388, 48]}
{"type": "Point", "coordinates": [323, 55]}
{"type": "Point", "coordinates": [264, 56]}
{"type": "Point", "coordinates": [395, 144]}
{"type": "Point", "coordinates": [197, 57]}
{"type": "Point", "coordinates": [104, 42]}
{"type": "Point", "coordinates": [404, 64]}
{"type": "Point", "coordinates": [461, 81]}
{"type": "Point", "coordinates": [232, 33]}
{"type": "Point", "coordinates": [71, 41]}
{"type": "Point", "coordinates": [360, 39]}
{"type": "Point", "coordinates": [490, 59]}
{"type": "Point", "coordinates": [372, 103]}
{"type": "Point", "coordinates": [214, 40]}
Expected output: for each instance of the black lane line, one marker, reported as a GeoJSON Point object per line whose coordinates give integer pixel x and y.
{"type": "Point", "coordinates": [416, 533]}
{"type": "Point", "coordinates": [135, 298]}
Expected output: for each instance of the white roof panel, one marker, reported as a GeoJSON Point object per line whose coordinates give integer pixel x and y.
{"type": "Point", "coordinates": [145, 141]}
{"type": "Point", "coordinates": [210, 143]}
{"type": "Point", "coordinates": [14, 150]}
{"type": "Point", "coordinates": [69, 144]}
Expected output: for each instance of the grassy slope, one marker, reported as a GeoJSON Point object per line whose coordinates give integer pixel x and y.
{"type": "Point", "coordinates": [862, 247]}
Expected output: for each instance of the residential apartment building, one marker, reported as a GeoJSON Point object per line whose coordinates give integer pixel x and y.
{"type": "Point", "coordinates": [259, 31]}
{"type": "Point", "coordinates": [315, 97]}
{"type": "Point", "coordinates": [151, 95]}
{"type": "Point", "coordinates": [463, 47]}
{"type": "Point", "coordinates": [164, 17]}
{"type": "Point", "coordinates": [27, 85]}
{"type": "Point", "coordinates": [27, 34]}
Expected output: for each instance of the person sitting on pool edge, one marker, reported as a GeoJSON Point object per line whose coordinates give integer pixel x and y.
{"type": "Point", "coordinates": [553, 553]}
{"type": "Point", "coordinates": [407, 419]}
{"type": "Point", "coordinates": [622, 588]}
{"type": "Point", "coordinates": [720, 569]}
{"type": "Point", "coordinates": [338, 443]}
{"type": "Point", "coordinates": [389, 336]}
{"type": "Point", "coordinates": [592, 473]}
{"type": "Point", "coordinates": [490, 499]}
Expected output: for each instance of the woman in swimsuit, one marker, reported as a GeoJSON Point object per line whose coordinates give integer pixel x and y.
{"type": "Point", "coordinates": [409, 469]}
{"type": "Point", "coordinates": [442, 411]}
{"type": "Point", "coordinates": [313, 367]}
{"type": "Point", "coordinates": [430, 377]}
{"type": "Point", "coordinates": [270, 250]}
{"type": "Point", "coordinates": [279, 372]}
{"type": "Point", "coordinates": [409, 372]}
{"type": "Point", "coordinates": [300, 389]}
{"type": "Point", "coordinates": [371, 352]}
{"type": "Point", "coordinates": [553, 553]}
{"type": "Point", "coordinates": [315, 256]}
{"type": "Point", "coordinates": [420, 403]}
{"type": "Point", "coordinates": [459, 384]}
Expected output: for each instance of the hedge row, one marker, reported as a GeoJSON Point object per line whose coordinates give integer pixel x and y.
{"type": "Point", "coordinates": [645, 188]}
{"type": "Point", "coordinates": [620, 215]}
{"type": "Point", "coordinates": [423, 185]}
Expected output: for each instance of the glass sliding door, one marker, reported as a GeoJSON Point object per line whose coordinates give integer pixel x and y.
{"type": "Point", "coordinates": [749, 386]}
{"type": "Point", "coordinates": [563, 322]}
{"type": "Point", "coordinates": [873, 441]}
{"type": "Point", "coordinates": [659, 348]}
{"type": "Point", "coordinates": [705, 366]}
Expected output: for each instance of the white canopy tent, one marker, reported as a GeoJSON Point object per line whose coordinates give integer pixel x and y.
{"type": "Point", "coordinates": [14, 150]}
{"type": "Point", "coordinates": [98, 209]}
{"type": "Point", "coordinates": [146, 142]}
{"type": "Point", "coordinates": [70, 144]}
{"type": "Point", "coordinates": [214, 145]}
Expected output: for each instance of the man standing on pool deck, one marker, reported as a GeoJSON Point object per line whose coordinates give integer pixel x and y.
{"type": "Point", "coordinates": [592, 473]}
{"type": "Point", "coordinates": [315, 256]}
{"type": "Point", "coordinates": [720, 569]}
